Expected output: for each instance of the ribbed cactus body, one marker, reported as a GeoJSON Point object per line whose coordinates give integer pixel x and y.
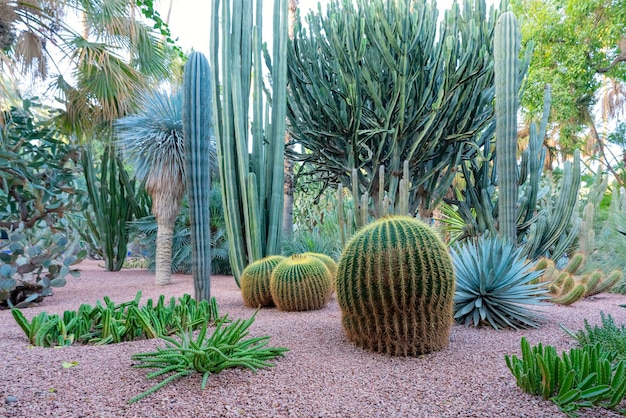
{"type": "Point", "coordinates": [255, 282]}
{"type": "Point", "coordinates": [506, 47]}
{"type": "Point", "coordinates": [300, 283]}
{"type": "Point", "coordinates": [330, 264]}
{"type": "Point", "coordinates": [197, 122]}
{"type": "Point", "coordinates": [395, 287]}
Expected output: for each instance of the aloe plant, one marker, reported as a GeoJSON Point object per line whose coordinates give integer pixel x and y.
{"type": "Point", "coordinates": [252, 183]}
{"type": "Point", "coordinates": [495, 285]}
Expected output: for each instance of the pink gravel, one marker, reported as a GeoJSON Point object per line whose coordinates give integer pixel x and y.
{"type": "Point", "coordinates": [323, 375]}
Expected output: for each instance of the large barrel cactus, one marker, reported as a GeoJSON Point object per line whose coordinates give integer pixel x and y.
{"type": "Point", "coordinates": [301, 283]}
{"type": "Point", "coordinates": [255, 282]}
{"type": "Point", "coordinates": [395, 287]}
{"type": "Point", "coordinates": [330, 264]}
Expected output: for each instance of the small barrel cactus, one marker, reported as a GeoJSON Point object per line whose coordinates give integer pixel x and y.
{"type": "Point", "coordinates": [395, 287]}
{"type": "Point", "coordinates": [301, 283]}
{"type": "Point", "coordinates": [255, 282]}
{"type": "Point", "coordinates": [330, 264]}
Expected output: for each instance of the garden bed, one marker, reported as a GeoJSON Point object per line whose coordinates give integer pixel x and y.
{"type": "Point", "coordinates": [323, 375]}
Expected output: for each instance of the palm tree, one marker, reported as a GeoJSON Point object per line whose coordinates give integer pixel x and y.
{"type": "Point", "coordinates": [114, 56]}
{"type": "Point", "coordinates": [152, 142]}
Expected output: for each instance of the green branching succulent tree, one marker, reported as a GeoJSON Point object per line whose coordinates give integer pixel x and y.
{"type": "Point", "coordinates": [370, 84]}
{"type": "Point", "coordinates": [252, 182]}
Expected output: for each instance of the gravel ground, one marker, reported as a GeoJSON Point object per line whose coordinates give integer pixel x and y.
{"type": "Point", "coordinates": [323, 375]}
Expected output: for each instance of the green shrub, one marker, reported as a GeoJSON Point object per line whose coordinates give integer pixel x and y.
{"type": "Point", "coordinates": [494, 282]}
{"type": "Point", "coordinates": [582, 377]}
{"type": "Point", "coordinates": [395, 285]}
{"type": "Point", "coordinates": [608, 335]}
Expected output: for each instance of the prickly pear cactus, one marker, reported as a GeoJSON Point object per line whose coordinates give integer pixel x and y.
{"type": "Point", "coordinates": [300, 283]}
{"type": "Point", "coordinates": [255, 282]}
{"type": "Point", "coordinates": [395, 287]}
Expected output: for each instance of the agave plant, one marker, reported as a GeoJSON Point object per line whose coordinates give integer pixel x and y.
{"type": "Point", "coordinates": [494, 283]}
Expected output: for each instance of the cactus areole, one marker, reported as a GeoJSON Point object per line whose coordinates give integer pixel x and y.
{"type": "Point", "coordinates": [395, 288]}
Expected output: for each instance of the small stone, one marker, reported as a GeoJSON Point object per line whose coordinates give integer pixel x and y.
{"type": "Point", "coordinates": [10, 399]}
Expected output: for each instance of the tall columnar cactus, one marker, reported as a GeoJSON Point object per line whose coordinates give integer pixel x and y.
{"type": "Point", "coordinates": [395, 287]}
{"type": "Point", "coordinates": [252, 184]}
{"type": "Point", "coordinates": [197, 121]}
{"type": "Point", "coordinates": [255, 281]}
{"type": "Point", "coordinates": [506, 48]}
{"type": "Point", "coordinates": [301, 283]}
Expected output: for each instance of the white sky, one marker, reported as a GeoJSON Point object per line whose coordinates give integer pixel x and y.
{"type": "Point", "coordinates": [190, 19]}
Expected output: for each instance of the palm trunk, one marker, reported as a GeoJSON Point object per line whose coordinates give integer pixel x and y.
{"type": "Point", "coordinates": [163, 258]}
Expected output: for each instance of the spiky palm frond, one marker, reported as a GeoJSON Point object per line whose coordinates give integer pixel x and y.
{"type": "Point", "coordinates": [152, 141]}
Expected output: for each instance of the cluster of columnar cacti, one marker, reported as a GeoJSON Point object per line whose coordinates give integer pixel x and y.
{"type": "Point", "coordinates": [545, 222]}
{"type": "Point", "coordinates": [566, 286]}
{"type": "Point", "coordinates": [255, 281]}
{"type": "Point", "coordinates": [252, 183]}
{"type": "Point", "coordinates": [197, 121]}
{"type": "Point", "coordinates": [360, 216]}
{"type": "Point", "coordinates": [301, 283]}
{"type": "Point", "coordinates": [395, 287]}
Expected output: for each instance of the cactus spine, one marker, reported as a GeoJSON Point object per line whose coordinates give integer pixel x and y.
{"type": "Point", "coordinates": [197, 121]}
{"type": "Point", "coordinates": [255, 282]}
{"type": "Point", "coordinates": [395, 288]}
{"type": "Point", "coordinates": [330, 264]}
{"type": "Point", "coordinates": [506, 49]}
{"type": "Point", "coordinates": [300, 283]}
{"type": "Point", "coordinates": [252, 184]}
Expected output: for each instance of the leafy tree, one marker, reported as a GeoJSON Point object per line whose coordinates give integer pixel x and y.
{"type": "Point", "coordinates": [576, 42]}
{"type": "Point", "coordinates": [374, 84]}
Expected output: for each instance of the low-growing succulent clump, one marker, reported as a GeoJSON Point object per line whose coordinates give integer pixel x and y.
{"type": "Point", "coordinates": [583, 377]}
{"type": "Point", "coordinates": [301, 283]}
{"type": "Point", "coordinates": [113, 323]}
{"type": "Point", "coordinates": [568, 285]}
{"type": "Point", "coordinates": [255, 282]}
{"type": "Point", "coordinates": [495, 285]}
{"type": "Point", "coordinates": [32, 263]}
{"type": "Point", "coordinates": [395, 285]}
{"type": "Point", "coordinates": [207, 354]}
{"type": "Point", "coordinates": [607, 334]}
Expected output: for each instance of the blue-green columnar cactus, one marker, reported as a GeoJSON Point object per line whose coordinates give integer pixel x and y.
{"type": "Point", "coordinates": [197, 122]}
{"type": "Point", "coordinates": [395, 287]}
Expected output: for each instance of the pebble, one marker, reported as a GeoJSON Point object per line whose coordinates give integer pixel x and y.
{"type": "Point", "coordinates": [10, 399]}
